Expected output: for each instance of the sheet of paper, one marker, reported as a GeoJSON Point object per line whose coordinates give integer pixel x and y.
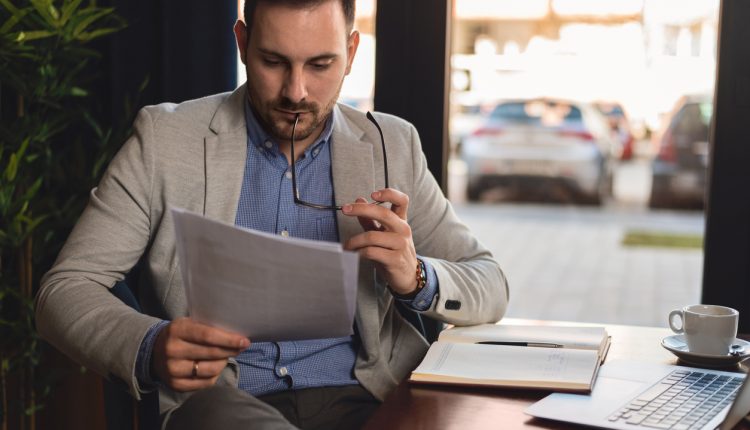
{"type": "Point", "coordinates": [267, 287]}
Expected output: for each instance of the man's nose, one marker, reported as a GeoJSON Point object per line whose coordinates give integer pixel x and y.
{"type": "Point", "coordinates": [294, 87]}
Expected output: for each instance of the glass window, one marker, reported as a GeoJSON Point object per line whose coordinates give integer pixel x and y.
{"type": "Point", "coordinates": [579, 147]}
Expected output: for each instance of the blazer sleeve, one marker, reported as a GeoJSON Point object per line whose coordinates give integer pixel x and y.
{"type": "Point", "coordinates": [75, 311]}
{"type": "Point", "coordinates": [472, 287]}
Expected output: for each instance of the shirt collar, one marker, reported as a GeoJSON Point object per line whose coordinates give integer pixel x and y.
{"type": "Point", "coordinates": [259, 137]}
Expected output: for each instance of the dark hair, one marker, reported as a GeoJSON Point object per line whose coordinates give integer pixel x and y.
{"type": "Point", "coordinates": [250, 5]}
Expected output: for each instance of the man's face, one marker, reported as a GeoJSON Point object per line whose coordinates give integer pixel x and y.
{"type": "Point", "coordinates": [296, 60]}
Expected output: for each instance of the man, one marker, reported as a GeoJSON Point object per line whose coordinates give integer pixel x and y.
{"type": "Point", "coordinates": [228, 156]}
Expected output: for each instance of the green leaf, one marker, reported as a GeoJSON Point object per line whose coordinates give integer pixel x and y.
{"type": "Point", "coordinates": [9, 6]}
{"type": "Point", "coordinates": [15, 158]}
{"type": "Point", "coordinates": [68, 9]}
{"type": "Point", "coordinates": [25, 36]}
{"type": "Point", "coordinates": [96, 33]}
{"type": "Point", "coordinates": [12, 168]}
{"type": "Point", "coordinates": [81, 27]}
{"type": "Point", "coordinates": [144, 84]}
{"type": "Point", "coordinates": [13, 20]}
{"type": "Point", "coordinates": [31, 192]}
{"type": "Point", "coordinates": [78, 92]}
{"type": "Point", "coordinates": [24, 207]}
{"type": "Point", "coordinates": [54, 12]}
{"type": "Point", "coordinates": [43, 9]}
{"type": "Point", "coordinates": [35, 222]}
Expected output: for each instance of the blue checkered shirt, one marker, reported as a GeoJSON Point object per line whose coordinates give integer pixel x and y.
{"type": "Point", "coordinates": [266, 204]}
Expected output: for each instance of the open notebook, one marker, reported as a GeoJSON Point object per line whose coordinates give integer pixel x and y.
{"type": "Point", "coordinates": [551, 358]}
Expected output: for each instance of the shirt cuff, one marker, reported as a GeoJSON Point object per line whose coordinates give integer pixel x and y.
{"type": "Point", "coordinates": [423, 300]}
{"type": "Point", "coordinates": [143, 361]}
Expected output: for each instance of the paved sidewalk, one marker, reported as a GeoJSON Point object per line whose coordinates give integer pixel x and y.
{"type": "Point", "coordinates": [567, 263]}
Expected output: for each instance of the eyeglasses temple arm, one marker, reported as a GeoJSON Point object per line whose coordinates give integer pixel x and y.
{"type": "Point", "coordinates": [291, 144]}
{"type": "Point", "coordinates": [382, 143]}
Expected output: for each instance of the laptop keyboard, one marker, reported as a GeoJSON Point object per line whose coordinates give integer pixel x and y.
{"type": "Point", "coordinates": [682, 400]}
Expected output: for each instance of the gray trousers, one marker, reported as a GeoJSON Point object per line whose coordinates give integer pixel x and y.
{"type": "Point", "coordinates": [222, 407]}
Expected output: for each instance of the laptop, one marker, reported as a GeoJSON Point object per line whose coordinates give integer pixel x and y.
{"type": "Point", "coordinates": [632, 395]}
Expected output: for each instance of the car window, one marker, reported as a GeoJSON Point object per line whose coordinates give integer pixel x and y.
{"type": "Point", "coordinates": [707, 109]}
{"type": "Point", "coordinates": [537, 112]}
{"type": "Point", "coordinates": [692, 119]}
{"type": "Point", "coordinates": [512, 112]}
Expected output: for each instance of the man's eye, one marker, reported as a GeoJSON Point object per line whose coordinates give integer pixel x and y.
{"type": "Point", "coordinates": [271, 61]}
{"type": "Point", "coordinates": [321, 66]}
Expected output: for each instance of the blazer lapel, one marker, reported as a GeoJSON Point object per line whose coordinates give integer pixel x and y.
{"type": "Point", "coordinates": [352, 167]}
{"type": "Point", "coordinates": [354, 163]}
{"type": "Point", "coordinates": [225, 154]}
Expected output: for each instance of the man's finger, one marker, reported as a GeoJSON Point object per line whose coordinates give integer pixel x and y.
{"type": "Point", "coordinates": [196, 369]}
{"type": "Point", "coordinates": [399, 201]}
{"type": "Point", "coordinates": [195, 332]}
{"type": "Point", "coordinates": [366, 223]}
{"type": "Point", "coordinates": [384, 216]}
{"type": "Point", "coordinates": [195, 351]}
{"type": "Point", "coordinates": [386, 240]}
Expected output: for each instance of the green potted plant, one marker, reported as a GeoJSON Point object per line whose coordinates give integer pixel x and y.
{"type": "Point", "coordinates": [52, 150]}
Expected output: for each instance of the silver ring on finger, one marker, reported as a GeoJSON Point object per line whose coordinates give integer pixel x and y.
{"type": "Point", "coordinates": [195, 369]}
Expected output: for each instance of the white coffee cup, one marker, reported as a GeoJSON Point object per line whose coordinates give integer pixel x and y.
{"type": "Point", "coordinates": [708, 329]}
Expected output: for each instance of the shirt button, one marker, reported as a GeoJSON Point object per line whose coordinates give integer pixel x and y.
{"type": "Point", "coordinates": [284, 233]}
{"type": "Point", "coordinates": [315, 153]}
{"type": "Point", "coordinates": [288, 174]}
{"type": "Point", "coordinates": [421, 303]}
{"type": "Point", "coordinates": [283, 371]}
{"type": "Point", "coordinates": [268, 144]}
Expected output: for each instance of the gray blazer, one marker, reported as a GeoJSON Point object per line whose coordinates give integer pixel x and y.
{"type": "Point", "coordinates": [192, 155]}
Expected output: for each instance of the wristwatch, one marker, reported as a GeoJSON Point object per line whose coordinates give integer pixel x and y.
{"type": "Point", "coordinates": [421, 277]}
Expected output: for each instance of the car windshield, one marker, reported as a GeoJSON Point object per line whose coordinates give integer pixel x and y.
{"type": "Point", "coordinates": [538, 113]}
{"type": "Point", "coordinates": [611, 110]}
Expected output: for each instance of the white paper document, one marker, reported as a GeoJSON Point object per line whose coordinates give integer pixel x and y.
{"type": "Point", "coordinates": [267, 287]}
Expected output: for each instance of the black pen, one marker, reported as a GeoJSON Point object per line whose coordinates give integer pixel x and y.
{"type": "Point", "coordinates": [531, 344]}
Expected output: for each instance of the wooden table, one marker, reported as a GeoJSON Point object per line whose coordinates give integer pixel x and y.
{"type": "Point", "coordinates": [433, 407]}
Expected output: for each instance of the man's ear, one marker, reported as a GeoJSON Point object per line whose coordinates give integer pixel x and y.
{"type": "Point", "coordinates": [240, 34]}
{"type": "Point", "coordinates": [351, 50]}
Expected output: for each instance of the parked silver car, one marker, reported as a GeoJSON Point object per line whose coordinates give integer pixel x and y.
{"type": "Point", "coordinates": [542, 142]}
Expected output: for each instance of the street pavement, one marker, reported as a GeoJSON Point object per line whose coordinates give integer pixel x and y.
{"type": "Point", "coordinates": [568, 263]}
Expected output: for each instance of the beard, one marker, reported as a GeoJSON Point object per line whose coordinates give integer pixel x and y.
{"type": "Point", "coordinates": [280, 126]}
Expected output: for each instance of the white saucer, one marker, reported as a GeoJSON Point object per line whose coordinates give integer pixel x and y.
{"type": "Point", "coordinates": [677, 346]}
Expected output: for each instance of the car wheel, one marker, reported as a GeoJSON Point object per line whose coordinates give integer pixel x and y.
{"type": "Point", "coordinates": [474, 192]}
{"type": "Point", "coordinates": [593, 199]}
{"type": "Point", "coordinates": [603, 190]}
{"type": "Point", "coordinates": [660, 200]}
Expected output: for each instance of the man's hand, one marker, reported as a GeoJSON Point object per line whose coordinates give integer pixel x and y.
{"type": "Point", "coordinates": [189, 355]}
{"type": "Point", "coordinates": [387, 238]}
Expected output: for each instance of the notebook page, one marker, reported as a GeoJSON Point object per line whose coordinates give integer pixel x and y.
{"type": "Point", "coordinates": [494, 364]}
{"type": "Point", "coordinates": [568, 337]}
